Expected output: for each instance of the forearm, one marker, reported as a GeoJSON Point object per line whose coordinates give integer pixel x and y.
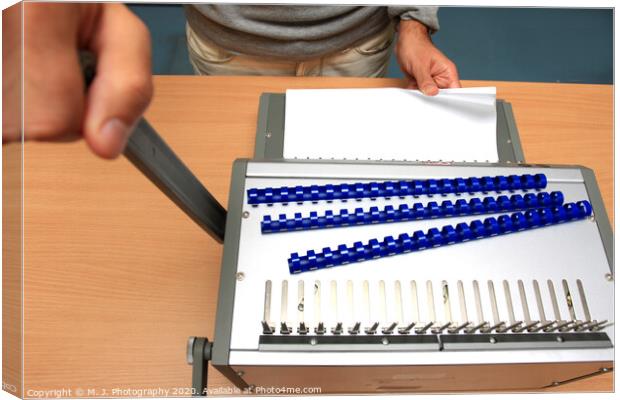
{"type": "Point", "coordinates": [413, 28]}
{"type": "Point", "coordinates": [426, 16]}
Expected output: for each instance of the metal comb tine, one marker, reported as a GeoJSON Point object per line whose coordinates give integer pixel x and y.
{"type": "Point", "coordinates": [529, 324]}
{"type": "Point", "coordinates": [580, 325]}
{"type": "Point", "coordinates": [440, 328]}
{"type": "Point", "coordinates": [355, 329]}
{"type": "Point", "coordinates": [382, 303]}
{"type": "Point", "coordinates": [406, 329]}
{"type": "Point", "coordinates": [371, 330]}
{"type": "Point", "coordinates": [284, 302]}
{"type": "Point", "coordinates": [350, 302]}
{"type": "Point", "coordinates": [302, 329]}
{"type": "Point", "coordinates": [548, 326]}
{"type": "Point", "coordinates": [424, 328]}
{"type": "Point", "coordinates": [584, 303]}
{"type": "Point", "coordinates": [554, 301]}
{"type": "Point", "coordinates": [266, 323]}
{"type": "Point", "coordinates": [284, 328]}
{"type": "Point", "coordinates": [366, 293]}
{"type": "Point", "coordinates": [447, 309]}
{"type": "Point", "coordinates": [334, 299]}
{"type": "Point", "coordinates": [482, 324]}
{"type": "Point", "coordinates": [574, 323]}
{"type": "Point", "coordinates": [591, 324]}
{"type": "Point", "coordinates": [430, 299]}
{"type": "Point", "coordinates": [598, 325]}
{"type": "Point", "coordinates": [587, 323]}
{"type": "Point", "coordinates": [366, 296]}
{"type": "Point", "coordinates": [457, 328]}
{"type": "Point", "coordinates": [514, 325]}
{"type": "Point", "coordinates": [559, 323]}
{"type": "Point", "coordinates": [462, 303]}
{"type": "Point", "coordinates": [267, 329]}
{"type": "Point", "coordinates": [479, 311]}
{"type": "Point", "coordinates": [498, 325]}
{"type": "Point", "coordinates": [544, 323]}
{"type": "Point", "coordinates": [482, 327]}
{"type": "Point", "coordinates": [336, 330]}
{"type": "Point", "coordinates": [565, 326]}
{"type": "Point", "coordinates": [414, 303]}
{"type": "Point", "coordinates": [435, 328]}
{"type": "Point", "coordinates": [267, 304]}
{"type": "Point", "coordinates": [387, 329]}
{"type": "Point", "coordinates": [569, 300]}
{"type": "Point", "coordinates": [398, 297]}
{"type": "Point", "coordinates": [463, 310]}
{"type": "Point", "coordinates": [320, 326]}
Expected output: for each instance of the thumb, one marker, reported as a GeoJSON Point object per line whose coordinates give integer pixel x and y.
{"type": "Point", "coordinates": [425, 81]}
{"type": "Point", "coordinates": [122, 88]}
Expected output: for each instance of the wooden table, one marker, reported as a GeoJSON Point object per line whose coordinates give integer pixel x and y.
{"type": "Point", "coordinates": [116, 277]}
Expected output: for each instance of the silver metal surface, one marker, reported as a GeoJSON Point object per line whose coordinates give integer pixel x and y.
{"type": "Point", "coordinates": [316, 171]}
{"type": "Point", "coordinates": [584, 302]}
{"type": "Point", "coordinates": [571, 252]}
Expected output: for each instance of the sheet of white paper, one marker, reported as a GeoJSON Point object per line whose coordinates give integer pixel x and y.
{"type": "Point", "coordinates": [391, 124]}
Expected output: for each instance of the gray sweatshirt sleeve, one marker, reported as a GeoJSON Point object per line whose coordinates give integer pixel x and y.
{"type": "Point", "coordinates": [426, 15]}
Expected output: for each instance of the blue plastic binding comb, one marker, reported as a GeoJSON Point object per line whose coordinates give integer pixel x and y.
{"type": "Point", "coordinates": [477, 229]}
{"type": "Point", "coordinates": [388, 189]}
{"type": "Point", "coordinates": [416, 211]}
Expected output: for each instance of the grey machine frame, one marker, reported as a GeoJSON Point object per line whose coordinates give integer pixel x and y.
{"type": "Point", "coordinates": [219, 353]}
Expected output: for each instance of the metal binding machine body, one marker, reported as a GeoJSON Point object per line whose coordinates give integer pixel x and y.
{"type": "Point", "coordinates": [514, 311]}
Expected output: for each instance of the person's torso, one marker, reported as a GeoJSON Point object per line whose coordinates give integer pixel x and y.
{"type": "Point", "coordinates": [291, 32]}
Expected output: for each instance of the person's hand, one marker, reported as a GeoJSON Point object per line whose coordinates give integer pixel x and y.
{"type": "Point", "coordinates": [56, 104]}
{"type": "Point", "coordinates": [425, 67]}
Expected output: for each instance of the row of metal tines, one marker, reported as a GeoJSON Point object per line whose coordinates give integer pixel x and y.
{"type": "Point", "coordinates": [377, 320]}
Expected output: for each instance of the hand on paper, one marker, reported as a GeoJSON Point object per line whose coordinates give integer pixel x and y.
{"type": "Point", "coordinates": [424, 65]}
{"type": "Point", "coordinates": [56, 104]}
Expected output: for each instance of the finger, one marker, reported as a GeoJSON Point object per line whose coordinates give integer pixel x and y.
{"type": "Point", "coordinates": [53, 87]}
{"type": "Point", "coordinates": [425, 81]}
{"type": "Point", "coordinates": [449, 76]}
{"type": "Point", "coordinates": [453, 76]}
{"type": "Point", "coordinates": [410, 83]}
{"type": "Point", "coordinates": [122, 88]}
{"type": "Point", "coordinates": [444, 81]}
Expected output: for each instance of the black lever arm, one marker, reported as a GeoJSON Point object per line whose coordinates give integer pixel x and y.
{"type": "Point", "coordinates": [151, 155]}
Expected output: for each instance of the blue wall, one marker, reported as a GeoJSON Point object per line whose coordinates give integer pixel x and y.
{"type": "Point", "coordinates": [511, 44]}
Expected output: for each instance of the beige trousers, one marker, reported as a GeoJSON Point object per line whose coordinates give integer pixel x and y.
{"type": "Point", "coordinates": [366, 59]}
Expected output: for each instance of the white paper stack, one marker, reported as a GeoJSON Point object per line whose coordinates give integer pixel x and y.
{"type": "Point", "coordinates": [391, 124]}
